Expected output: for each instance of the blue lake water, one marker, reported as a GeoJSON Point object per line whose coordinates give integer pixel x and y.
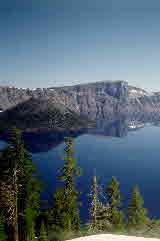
{"type": "Point", "coordinates": [133, 159]}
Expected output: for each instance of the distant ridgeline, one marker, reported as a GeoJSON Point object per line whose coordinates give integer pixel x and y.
{"type": "Point", "coordinates": [99, 100]}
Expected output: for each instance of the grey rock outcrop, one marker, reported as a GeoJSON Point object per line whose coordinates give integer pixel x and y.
{"type": "Point", "coordinates": [94, 100]}
{"type": "Point", "coordinates": [97, 100]}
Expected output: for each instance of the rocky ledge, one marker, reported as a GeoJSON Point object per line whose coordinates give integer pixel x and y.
{"type": "Point", "coordinates": [97, 100]}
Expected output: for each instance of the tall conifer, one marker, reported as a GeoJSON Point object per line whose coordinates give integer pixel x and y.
{"type": "Point", "coordinates": [19, 185]}
{"type": "Point", "coordinates": [114, 200]}
{"type": "Point", "coordinates": [15, 153]}
{"type": "Point", "coordinates": [3, 236]}
{"type": "Point", "coordinates": [32, 208]}
{"type": "Point", "coordinates": [65, 212]}
{"type": "Point", "coordinates": [137, 214]}
{"type": "Point", "coordinates": [43, 233]}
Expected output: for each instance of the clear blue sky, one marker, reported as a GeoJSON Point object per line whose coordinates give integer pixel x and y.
{"type": "Point", "coordinates": [43, 41]}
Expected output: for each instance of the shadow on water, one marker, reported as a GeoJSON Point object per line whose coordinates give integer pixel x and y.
{"type": "Point", "coordinates": [44, 141]}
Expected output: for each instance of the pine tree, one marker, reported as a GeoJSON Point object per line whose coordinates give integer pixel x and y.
{"type": "Point", "coordinates": [99, 213]}
{"type": "Point", "coordinates": [3, 236]}
{"type": "Point", "coordinates": [32, 206]}
{"type": "Point", "coordinates": [9, 189]}
{"type": "Point", "coordinates": [18, 176]}
{"type": "Point", "coordinates": [31, 213]}
{"type": "Point", "coordinates": [137, 214]}
{"type": "Point", "coordinates": [30, 196]}
{"type": "Point", "coordinates": [43, 233]}
{"type": "Point", "coordinates": [44, 214]}
{"type": "Point", "coordinates": [114, 200]}
{"type": "Point", "coordinates": [65, 212]}
{"type": "Point", "coordinates": [18, 185]}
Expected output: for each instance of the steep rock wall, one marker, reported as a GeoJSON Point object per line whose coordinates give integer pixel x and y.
{"type": "Point", "coordinates": [95, 100]}
{"type": "Point", "coordinates": [103, 99]}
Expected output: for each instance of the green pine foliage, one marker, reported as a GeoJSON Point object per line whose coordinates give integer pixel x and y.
{"type": "Point", "coordinates": [114, 200]}
{"type": "Point", "coordinates": [30, 194]}
{"type": "Point", "coordinates": [3, 236]}
{"type": "Point", "coordinates": [65, 212]}
{"type": "Point", "coordinates": [27, 195]}
{"type": "Point", "coordinates": [43, 233]}
{"type": "Point", "coordinates": [137, 214]}
{"type": "Point", "coordinates": [59, 218]}
{"type": "Point", "coordinates": [10, 190]}
{"type": "Point", "coordinates": [19, 188]}
{"type": "Point", "coordinates": [44, 214]}
{"type": "Point", "coordinates": [32, 206]}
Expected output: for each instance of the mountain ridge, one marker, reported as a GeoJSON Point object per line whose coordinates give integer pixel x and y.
{"type": "Point", "coordinates": [102, 99]}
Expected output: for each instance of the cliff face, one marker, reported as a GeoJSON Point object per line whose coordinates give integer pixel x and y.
{"type": "Point", "coordinates": [96, 100]}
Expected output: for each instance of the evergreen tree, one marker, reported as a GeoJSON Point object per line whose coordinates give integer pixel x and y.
{"type": "Point", "coordinates": [19, 157]}
{"type": "Point", "coordinates": [44, 214]}
{"type": "Point", "coordinates": [137, 214]}
{"type": "Point", "coordinates": [65, 213]}
{"type": "Point", "coordinates": [9, 189]}
{"type": "Point", "coordinates": [114, 200]}
{"type": "Point", "coordinates": [29, 197]}
{"type": "Point", "coordinates": [19, 186]}
{"type": "Point", "coordinates": [3, 236]}
{"type": "Point", "coordinates": [43, 233]}
{"type": "Point", "coordinates": [32, 206]}
{"type": "Point", "coordinates": [99, 212]}
{"type": "Point", "coordinates": [31, 212]}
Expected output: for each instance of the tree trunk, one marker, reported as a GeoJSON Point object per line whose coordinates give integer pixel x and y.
{"type": "Point", "coordinates": [16, 237]}
{"type": "Point", "coordinates": [16, 223]}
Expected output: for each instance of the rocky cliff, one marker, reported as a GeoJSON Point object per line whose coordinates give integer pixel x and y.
{"type": "Point", "coordinates": [103, 99]}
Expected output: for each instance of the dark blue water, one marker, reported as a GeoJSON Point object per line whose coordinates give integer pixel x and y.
{"type": "Point", "coordinates": [133, 159]}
